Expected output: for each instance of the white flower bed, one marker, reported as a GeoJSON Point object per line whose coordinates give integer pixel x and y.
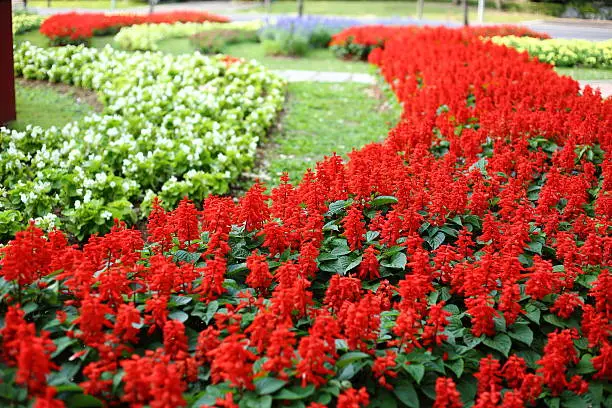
{"type": "Point", "coordinates": [172, 125]}
{"type": "Point", "coordinates": [145, 37]}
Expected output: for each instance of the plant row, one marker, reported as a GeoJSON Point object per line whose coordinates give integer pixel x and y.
{"type": "Point", "coordinates": [358, 42]}
{"type": "Point", "coordinates": [26, 22]}
{"type": "Point", "coordinates": [462, 262]}
{"type": "Point", "coordinates": [147, 36]}
{"type": "Point", "coordinates": [171, 126]}
{"type": "Point", "coordinates": [561, 52]}
{"type": "Point", "coordinates": [78, 28]}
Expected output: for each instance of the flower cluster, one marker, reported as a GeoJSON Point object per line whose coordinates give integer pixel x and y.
{"type": "Point", "coordinates": [172, 126]}
{"type": "Point", "coordinates": [146, 36]}
{"type": "Point", "coordinates": [26, 22]}
{"type": "Point", "coordinates": [464, 261]}
{"type": "Point", "coordinates": [359, 41]}
{"type": "Point", "coordinates": [72, 28]}
{"type": "Point", "coordinates": [561, 52]}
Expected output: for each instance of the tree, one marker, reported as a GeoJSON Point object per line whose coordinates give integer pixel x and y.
{"type": "Point", "coordinates": [420, 8]}
{"type": "Point", "coordinates": [300, 8]}
{"type": "Point", "coordinates": [7, 75]}
{"type": "Point", "coordinates": [465, 13]}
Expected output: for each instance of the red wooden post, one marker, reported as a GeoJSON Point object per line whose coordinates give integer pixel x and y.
{"type": "Point", "coordinates": [7, 75]}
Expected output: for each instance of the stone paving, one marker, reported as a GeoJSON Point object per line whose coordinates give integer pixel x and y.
{"type": "Point", "coordinates": [317, 76]}
{"type": "Point", "coordinates": [605, 86]}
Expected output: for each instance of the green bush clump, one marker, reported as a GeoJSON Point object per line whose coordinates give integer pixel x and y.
{"type": "Point", "coordinates": [285, 44]}
{"type": "Point", "coordinates": [214, 41]}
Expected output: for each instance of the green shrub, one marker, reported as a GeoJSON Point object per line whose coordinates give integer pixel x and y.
{"type": "Point", "coordinates": [286, 44]}
{"type": "Point", "coordinates": [213, 42]}
{"type": "Point", "coordinates": [320, 37]}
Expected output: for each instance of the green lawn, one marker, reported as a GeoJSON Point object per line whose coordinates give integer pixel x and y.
{"type": "Point", "coordinates": [445, 11]}
{"type": "Point", "coordinates": [316, 60]}
{"type": "Point", "coordinates": [91, 4]}
{"type": "Point", "coordinates": [321, 118]}
{"type": "Point", "coordinates": [46, 107]}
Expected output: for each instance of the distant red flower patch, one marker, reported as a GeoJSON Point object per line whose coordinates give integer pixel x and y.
{"type": "Point", "coordinates": [79, 27]}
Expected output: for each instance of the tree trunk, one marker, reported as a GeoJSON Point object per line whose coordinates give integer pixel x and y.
{"type": "Point", "coordinates": [420, 9]}
{"type": "Point", "coordinates": [7, 75]}
{"type": "Point", "coordinates": [151, 5]}
{"type": "Point", "coordinates": [498, 4]}
{"type": "Point", "coordinates": [465, 13]}
{"type": "Point", "coordinates": [300, 8]}
{"type": "Point", "coordinates": [267, 6]}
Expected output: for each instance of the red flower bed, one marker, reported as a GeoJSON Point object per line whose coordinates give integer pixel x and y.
{"type": "Point", "coordinates": [463, 261]}
{"type": "Point", "coordinates": [359, 41]}
{"type": "Point", "coordinates": [78, 27]}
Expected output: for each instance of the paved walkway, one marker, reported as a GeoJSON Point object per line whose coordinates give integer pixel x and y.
{"type": "Point", "coordinates": [313, 76]}
{"type": "Point", "coordinates": [604, 86]}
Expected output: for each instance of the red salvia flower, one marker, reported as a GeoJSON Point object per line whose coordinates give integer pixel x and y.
{"type": "Point", "coordinates": [259, 277]}
{"type": "Point", "coordinates": [233, 362]}
{"type": "Point", "coordinates": [447, 395]}
{"type": "Point", "coordinates": [559, 353]}
{"type": "Point", "coordinates": [382, 368]}
{"type": "Point", "coordinates": [352, 398]}
{"type": "Point", "coordinates": [369, 267]}
{"type": "Point", "coordinates": [253, 210]}
{"type": "Point", "coordinates": [354, 227]}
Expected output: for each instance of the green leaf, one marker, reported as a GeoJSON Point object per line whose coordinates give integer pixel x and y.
{"type": "Point", "coordinates": [295, 393]}
{"type": "Point", "coordinates": [456, 366]}
{"type": "Point", "coordinates": [181, 300]}
{"type": "Point", "coordinates": [435, 241]}
{"type": "Point", "coordinates": [355, 263]}
{"type": "Point", "coordinates": [398, 261]}
{"type": "Point", "coordinates": [268, 385]}
{"type": "Point", "coordinates": [68, 388]}
{"type": "Point", "coordinates": [337, 207]}
{"type": "Point", "coordinates": [348, 358]}
{"type": "Point", "coordinates": [83, 401]}
{"type": "Point", "coordinates": [349, 371]}
{"type": "Point", "coordinates": [585, 366]}
{"type": "Point", "coordinates": [471, 341]}
{"type": "Point", "coordinates": [574, 401]}
{"type": "Point", "coordinates": [62, 344]}
{"type": "Point", "coordinates": [372, 235]}
{"type": "Point", "coordinates": [211, 310]}
{"type": "Point", "coordinates": [521, 333]}
{"type": "Point", "coordinates": [532, 313]}
{"type": "Point", "coordinates": [185, 256]}
{"type": "Point", "coordinates": [501, 343]}
{"type": "Point", "coordinates": [536, 247]}
{"type": "Point", "coordinates": [555, 320]}
{"type": "Point", "coordinates": [417, 371]}
{"type": "Point", "coordinates": [178, 315]}
{"type": "Point", "coordinates": [406, 393]}
{"type": "Point", "coordinates": [467, 387]}
{"type": "Point", "coordinates": [383, 200]}
{"type": "Point", "coordinates": [29, 308]}
{"type": "Point", "coordinates": [382, 399]}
